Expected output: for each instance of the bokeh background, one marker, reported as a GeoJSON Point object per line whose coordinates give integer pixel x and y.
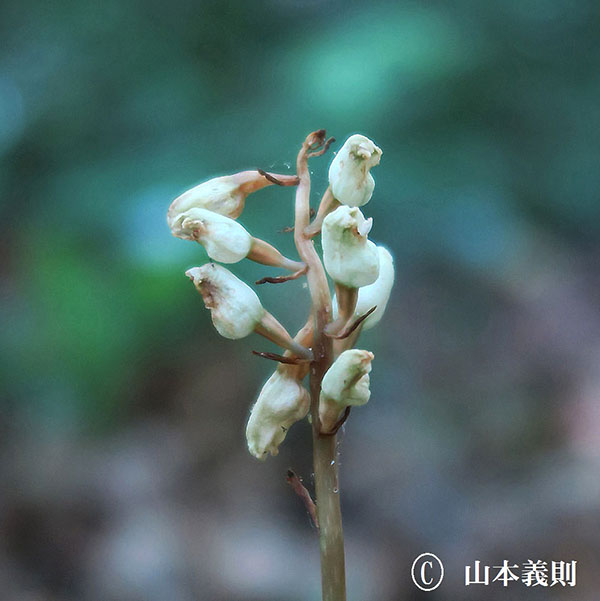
{"type": "Point", "coordinates": [123, 468]}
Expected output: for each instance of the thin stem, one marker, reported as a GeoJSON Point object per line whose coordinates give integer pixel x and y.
{"type": "Point", "coordinates": [327, 205]}
{"type": "Point", "coordinates": [331, 535]}
{"type": "Point", "coordinates": [317, 280]}
{"type": "Point", "coordinates": [325, 463]}
{"type": "Point", "coordinates": [271, 329]}
{"type": "Point", "coordinates": [266, 254]}
{"type": "Point", "coordinates": [346, 302]}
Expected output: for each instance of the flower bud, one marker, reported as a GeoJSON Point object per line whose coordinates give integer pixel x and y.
{"type": "Point", "coordinates": [346, 383]}
{"type": "Point", "coordinates": [349, 177]}
{"type": "Point", "coordinates": [375, 294]}
{"type": "Point", "coordinates": [235, 308]}
{"type": "Point", "coordinates": [224, 195]}
{"type": "Point", "coordinates": [224, 239]}
{"type": "Point", "coordinates": [221, 195]}
{"type": "Point", "coordinates": [281, 402]}
{"type": "Point", "coordinates": [350, 258]}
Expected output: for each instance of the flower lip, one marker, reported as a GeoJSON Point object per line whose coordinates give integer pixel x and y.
{"type": "Point", "coordinates": [364, 149]}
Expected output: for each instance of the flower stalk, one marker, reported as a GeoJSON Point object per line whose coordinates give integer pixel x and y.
{"type": "Point", "coordinates": [362, 275]}
{"type": "Point", "coordinates": [325, 464]}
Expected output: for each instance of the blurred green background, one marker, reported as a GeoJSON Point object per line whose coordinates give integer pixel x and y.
{"type": "Point", "coordinates": [122, 455]}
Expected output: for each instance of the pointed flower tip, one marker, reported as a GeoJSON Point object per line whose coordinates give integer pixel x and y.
{"type": "Point", "coordinates": [193, 273]}
{"type": "Point", "coordinates": [367, 357]}
{"type": "Point", "coordinates": [365, 227]}
{"type": "Point", "coordinates": [364, 149]}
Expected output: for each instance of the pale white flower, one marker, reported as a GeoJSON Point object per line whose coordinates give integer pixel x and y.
{"type": "Point", "coordinates": [225, 195]}
{"type": "Point", "coordinates": [234, 307]}
{"type": "Point", "coordinates": [347, 380]}
{"type": "Point", "coordinates": [224, 239]}
{"type": "Point", "coordinates": [222, 195]}
{"type": "Point", "coordinates": [376, 294]}
{"type": "Point", "coordinates": [350, 258]}
{"type": "Point", "coordinates": [346, 383]}
{"type": "Point", "coordinates": [281, 402]}
{"type": "Point", "coordinates": [349, 176]}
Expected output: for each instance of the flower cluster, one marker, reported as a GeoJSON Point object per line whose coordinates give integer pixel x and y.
{"type": "Point", "coordinates": [362, 275]}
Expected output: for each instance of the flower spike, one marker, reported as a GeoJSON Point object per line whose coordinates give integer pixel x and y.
{"type": "Point", "coordinates": [322, 350]}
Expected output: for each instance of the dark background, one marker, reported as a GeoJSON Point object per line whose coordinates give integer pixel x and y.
{"type": "Point", "coordinates": [123, 465]}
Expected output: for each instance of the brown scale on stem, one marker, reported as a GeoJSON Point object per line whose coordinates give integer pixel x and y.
{"type": "Point", "coordinates": [351, 327]}
{"type": "Point", "coordinates": [280, 358]}
{"type": "Point", "coordinates": [340, 422]}
{"type": "Point", "coordinates": [282, 278]}
{"type": "Point", "coordinates": [296, 483]}
{"type": "Point", "coordinates": [280, 180]}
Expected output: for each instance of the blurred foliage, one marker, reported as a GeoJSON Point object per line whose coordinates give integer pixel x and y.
{"type": "Point", "coordinates": [487, 194]}
{"type": "Point", "coordinates": [487, 113]}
